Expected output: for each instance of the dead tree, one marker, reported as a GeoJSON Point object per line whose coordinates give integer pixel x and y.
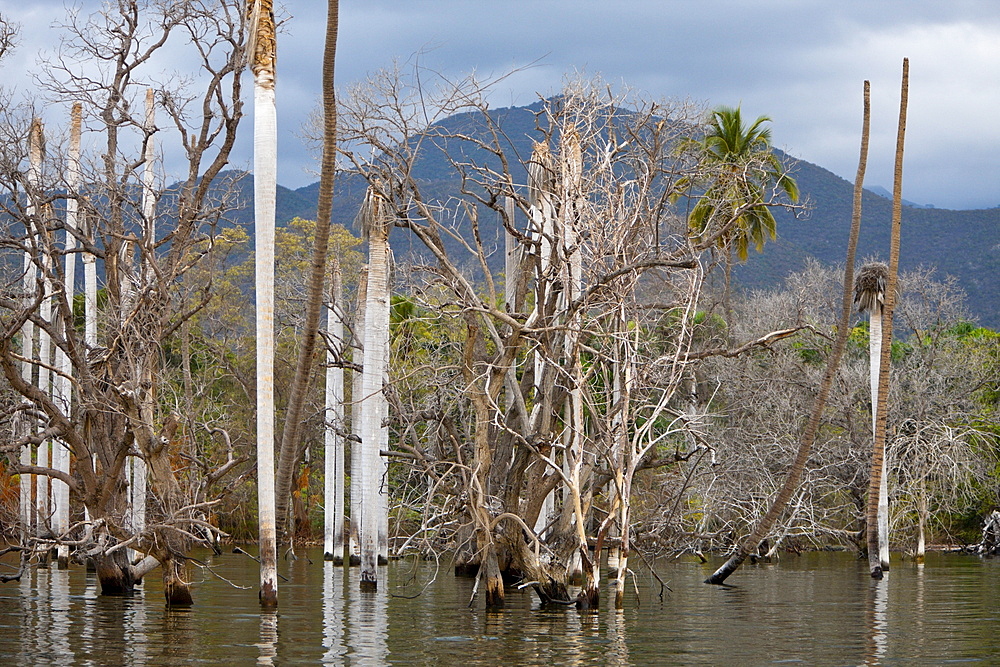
{"type": "Point", "coordinates": [116, 414]}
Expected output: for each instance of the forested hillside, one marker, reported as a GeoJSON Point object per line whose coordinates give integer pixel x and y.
{"type": "Point", "coordinates": [963, 244]}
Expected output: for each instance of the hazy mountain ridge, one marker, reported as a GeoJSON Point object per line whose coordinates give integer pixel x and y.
{"type": "Point", "coordinates": [964, 244]}
{"type": "Point", "coordinates": [961, 243]}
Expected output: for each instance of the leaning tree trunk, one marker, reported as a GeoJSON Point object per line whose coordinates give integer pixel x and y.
{"type": "Point", "coordinates": [333, 534]}
{"type": "Point", "coordinates": [777, 507]}
{"type": "Point", "coordinates": [265, 189]}
{"type": "Point", "coordinates": [878, 451]}
{"type": "Point", "coordinates": [292, 445]}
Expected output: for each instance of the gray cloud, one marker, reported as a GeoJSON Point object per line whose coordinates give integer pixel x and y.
{"type": "Point", "coordinates": [802, 62]}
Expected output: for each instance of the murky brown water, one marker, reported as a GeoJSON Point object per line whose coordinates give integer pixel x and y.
{"type": "Point", "coordinates": [817, 609]}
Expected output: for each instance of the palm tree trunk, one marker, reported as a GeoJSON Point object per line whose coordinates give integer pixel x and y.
{"type": "Point", "coordinates": [375, 219]}
{"type": "Point", "coordinates": [291, 444]}
{"type": "Point", "coordinates": [921, 522]}
{"type": "Point", "coordinates": [777, 507]}
{"type": "Point", "coordinates": [875, 355]}
{"type": "Point", "coordinates": [870, 295]}
{"type": "Point", "coordinates": [137, 495]}
{"type": "Point", "coordinates": [35, 156]}
{"type": "Point", "coordinates": [382, 463]}
{"type": "Point", "coordinates": [63, 363]}
{"type": "Point", "coordinates": [90, 312]}
{"type": "Point", "coordinates": [333, 528]}
{"type": "Point", "coordinates": [265, 189]}
{"type": "Point", "coordinates": [29, 517]}
{"type": "Point", "coordinates": [26, 485]}
{"type": "Point", "coordinates": [89, 292]}
{"type": "Point", "coordinates": [42, 499]}
{"type": "Point", "coordinates": [878, 451]}
{"type": "Point", "coordinates": [358, 352]}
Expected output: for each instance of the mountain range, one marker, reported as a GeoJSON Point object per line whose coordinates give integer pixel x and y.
{"type": "Point", "coordinates": [960, 243]}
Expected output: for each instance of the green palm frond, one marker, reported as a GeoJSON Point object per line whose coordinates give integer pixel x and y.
{"type": "Point", "coordinates": [746, 168]}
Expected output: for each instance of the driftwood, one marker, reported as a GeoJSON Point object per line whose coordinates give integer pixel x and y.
{"type": "Point", "coordinates": [990, 544]}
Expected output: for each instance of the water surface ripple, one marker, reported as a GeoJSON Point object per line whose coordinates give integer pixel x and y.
{"type": "Point", "coordinates": [814, 609]}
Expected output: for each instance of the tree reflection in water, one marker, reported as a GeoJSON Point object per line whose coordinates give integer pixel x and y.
{"type": "Point", "coordinates": [818, 608]}
{"type": "Point", "coordinates": [137, 648]}
{"type": "Point", "coordinates": [618, 655]}
{"type": "Point", "coordinates": [875, 620]}
{"type": "Point", "coordinates": [367, 624]}
{"type": "Point", "coordinates": [333, 614]}
{"type": "Point", "coordinates": [268, 644]}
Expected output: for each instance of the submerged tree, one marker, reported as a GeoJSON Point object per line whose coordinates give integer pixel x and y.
{"type": "Point", "coordinates": [292, 443]}
{"type": "Point", "coordinates": [333, 529]}
{"type": "Point", "coordinates": [881, 419]}
{"type": "Point", "coordinates": [375, 220]}
{"type": "Point", "coordinates": [115, 413]}
{"type": "Point", "coordinates": [262, 51]}
{"type": "Point", "coordinates": [779, 503]}
{"type": "Point", "coordinates": [869, 295]}
{"type": "Point", "coordinates": [564, 383]}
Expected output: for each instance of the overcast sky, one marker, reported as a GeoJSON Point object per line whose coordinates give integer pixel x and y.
{"type": "Point", "coordinates": [801, 62]}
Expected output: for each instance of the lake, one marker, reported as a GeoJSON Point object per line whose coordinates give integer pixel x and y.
{"type": "Point", "coordinates": [813, 609]}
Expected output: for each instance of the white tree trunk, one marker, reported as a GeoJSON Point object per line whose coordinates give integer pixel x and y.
{"type": "Point", "coordinates": [875, 355]}
{"type": "Point", "coordinates": [542, 213]}
{"type": "Point", "coordinates": [333, 480]}
{"type": "Point", "coordinates": [382, 474]}
{"type": "Point", "coordinates": [64, 382]}
{"type": "Point", "coordinates": [42, 498]}
{"type": "Point", "coordinates": [571, 161]}
{"type": "Point", "coordinates": [265, 190]}
{"type": "Point", "coordinates": [89, 294]}
{"type": "Point", "coordinates": [36, 144]}
{"type": "Point", "coordinates": [373, 403]}
{"type": "Point", "coordinates": [921, 524]}
{"type": "Point", "coordinates": [357, 465]}
{"type": "Point", "coordinates": [511, 259]}
{"type": "Point", "coordinates": [29, 518]}
{"type": "Point", "coordinates": [89, 315]}
{"type": "Point", "coordinates": [623, 457]}
{"type": "Point", "coordinates": [27, 513]}
{"type": "Point", "coordinates": [137, 496]}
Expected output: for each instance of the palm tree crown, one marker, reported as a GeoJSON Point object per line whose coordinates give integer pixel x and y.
{"type": "Point", "coordinates": [744, 168]}
{"type": "Point", "coordinates": [869, 287]}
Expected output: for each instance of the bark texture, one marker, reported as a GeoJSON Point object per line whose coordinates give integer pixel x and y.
{"type": "Point", "coordinates": [291, 435]}
{"type": "Point", "coordinates": [878, 451]}
{"type": "Point", "coordinates": [808, 436]}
